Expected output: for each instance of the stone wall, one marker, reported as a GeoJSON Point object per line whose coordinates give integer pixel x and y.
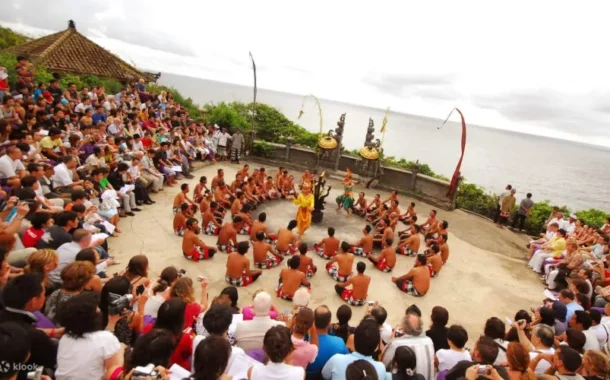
{"type": "Point", "coordinates": [411, 183]}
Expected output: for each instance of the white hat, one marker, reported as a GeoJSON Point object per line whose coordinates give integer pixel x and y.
{"type": "Point", "coordinates": [573, 216]}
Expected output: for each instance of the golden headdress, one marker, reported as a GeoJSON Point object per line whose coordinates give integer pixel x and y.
{"type": "Point", "coordinates": [306, 186]}
{"type": "Point", "coordinates": [348, 176]}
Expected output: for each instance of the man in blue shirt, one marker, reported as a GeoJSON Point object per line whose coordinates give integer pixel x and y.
{"type": "Point", "coordinates": [566, 297]}
{"type": "Point", "coordinates": [328, 345]}
{"type": "Point", "coordinates": [366, 342]}
{"type": "Point", "coordinates": [99, 115]}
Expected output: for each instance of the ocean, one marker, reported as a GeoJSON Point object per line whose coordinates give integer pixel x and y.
{"type": "Point", "coordinates": [564, 172]}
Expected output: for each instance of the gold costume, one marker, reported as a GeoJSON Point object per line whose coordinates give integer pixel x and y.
{"type": "Point", "coordinates": [305, 203]}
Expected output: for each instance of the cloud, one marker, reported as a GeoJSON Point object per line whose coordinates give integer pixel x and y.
{"type": "Point", "coordinates": [112, 19]}
{"type": "Point", "coordinates": [405, 84]}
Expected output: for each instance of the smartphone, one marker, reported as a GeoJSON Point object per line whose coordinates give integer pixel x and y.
{"type": "Point", "coordinates": [11, 214]}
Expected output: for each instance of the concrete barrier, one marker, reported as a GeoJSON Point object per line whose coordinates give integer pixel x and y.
{"type": "Point", "coordinates": [410, 182]}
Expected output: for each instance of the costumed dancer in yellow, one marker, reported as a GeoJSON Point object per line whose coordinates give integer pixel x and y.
{"type": "Point", "coordinates": [346, 200]}
{"type": "Point", "coordinates": [305, 202]}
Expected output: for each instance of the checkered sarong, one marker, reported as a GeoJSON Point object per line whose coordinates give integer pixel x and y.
{"type": "Point", "coordinates": [333, 271]}
{"type": "Point", "coordinates": [359, 251]}
{"type": "Point", "coordinates": [270, 262]}
{"type": "Point", "coordinates": [211, 229]}
{"type": "Point", "coordinates": [405, 251]}
{"type": "Point", "coordinates": [347, 296]}
{"type": "Point", "coordinates": [407, 287]}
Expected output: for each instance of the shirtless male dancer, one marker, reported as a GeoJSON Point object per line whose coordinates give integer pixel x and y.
{"type": "Point", "coordinates": [238, 202]}
{"type": "Point", "coordinates": [220, 176]}
{"type": "Point", "coordinates": [386, 261]}
{"type": "Point", "coordinates": [328, 247]}
{"type": "Point", "coordinates": [200, 188]}
{"type": "Point", "coordinates": [444, 248]}
{"type": "Point", "coordinates": [264, 255]}
{"type": "Point", "coordinates": [211, 221]}
{"type": "Point", "coordinates": [417, 281]}
{"type": "Point", "coordinates": [291, 279]}
{"type": "Point", "coordinates": [356, 296]}
{"type": "Point", "coordinates": [244, 213]}
{"type": "Point", "coordinates": [430, 223]}
{"type": "Point", "coordinates": [259, 226]}
{"type": "Point", "coordinates": [180, 219]}
{"type": "Point", "coordinates": [192, 247]}
{"type": "Point", "coordinates": [374, 205]}
{"type": "Point", "coordinates": [435, 261]}
{"type": "Point", "coordinates": [271, 189]}
{"type": "Point", "coordinates": [364, 247]}
{"type": "Point", "coordinates": [222, 195]}
{"type": "Point", "coordinates": [307, 266]}
{"type": "Point", "coordinates": [238, 267]}
{"type": "Point", "coordinates": [287, 241]}
{"type": "Point", "coordinates": [345, 260]}
{"type": "Point", "coordinates": [360, 205]}
{"type": "Point", "coordinates": [410, 245]}
{"type": "Point", "coordinates": [288, 190]}
{"type": "Point", "coordinates": [410, 230]}
{"type": "Point", "coordinates": [411, 212]}
{"type": "Point", "coordinates": [227, 236]}
{"type": "Point", "coordinates": [388, 233]}
{"type": "Point", "coordinates": [182, 197]}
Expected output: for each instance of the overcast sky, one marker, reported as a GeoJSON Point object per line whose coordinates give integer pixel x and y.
{"type": "Point", "coordinates": [538, 67]}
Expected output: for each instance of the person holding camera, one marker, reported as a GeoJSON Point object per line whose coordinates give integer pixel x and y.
{"type": "Point", "coordinates": [483, 355]}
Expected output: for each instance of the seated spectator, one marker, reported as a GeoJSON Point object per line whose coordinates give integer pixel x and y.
{"type": "Point", "coordinates": [125, 323]}
{"type": "Point", "coordinates": [405, 364]}
{"type": "Point", "coordinates": [15, 336]}
{"type": "Point", "coordinates": [158, 292]}
{"type": "Point", "coordinates": [42, 262]}
{"type": "Point", "coordinates": [154, 348]}
{"type": "Point", "coordinates": [360, 370]}
{"type": "Point", "coordinates": [366, 341]}
{"type": "Point", "coordinates": [541, 343]}
{"type": "Point", "coordinates": [40, 222]}
{"type": "Point", "coordinates": [249, 334]}
{"type": "Point", "coordinates": [74, 278]}
{"type": "Point", "coordinates": [341, 328]}
{"type": "Point", "coordinates": [518, 362]}
{"type": "Point", "coordinates": [248, 311]}
{"type": "Point", "coordinates": [438, 330]}
{"type": "Point", "coordinates": [91, 255]}
{"type": "Point", "coordinates": [581, 320]}
{"type": "Point", "coordinates": [305, 352]}
{"type": "Point", "coordinates": [171, 318]}
{"type": "Point", "coordinates": [216, 322]}
{"type": "Point", "coordinates": [22, 297]}
{"type": "Point", "coordinates": [183, 289]}
{"type": "Point", "coordinates": [137, 273]}
{"type": "Point", "coordinates": [485, 352]}
{"type": "Point", "coordinates": [566, 361]}
{"type": "Point", "coordinates": [381, 315]}
{"type": "Point", "coordinates": [212, 359]}
{"type": "Point", "coordinates": [278, 347]}
{"type": "Point", "coordinates": [595, 364]}
{"type": "Point", "coordinates": [328, 345]}
{"type": "Point", "coordinates": [496, 330]}
{"type": "Point", "coordinates": [446, 359]}
{"type": "Point", "coordinates": [412, 327]}
{"type": "Point", "coordinates": [59, 234]}
{"type": "Point", "coordinates": [98, 351]}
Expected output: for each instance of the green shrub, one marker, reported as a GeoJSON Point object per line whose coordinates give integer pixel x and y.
{"type": "Point", "coordinates": [263, 149]}
{"type": "Point", "coordinates": [593, 217]}
{"type": "Point", "coordinates": [476, 199]}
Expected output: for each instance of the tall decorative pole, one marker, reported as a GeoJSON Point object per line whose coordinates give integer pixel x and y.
{"type": "Point", "coordinates": [301, 112]}
{"type": "Point", "coordinates": [384, 127]}
{"type": "Point", "coordinates": [456, 174]}
{"type": "Point", "coordinates": [255, 89]}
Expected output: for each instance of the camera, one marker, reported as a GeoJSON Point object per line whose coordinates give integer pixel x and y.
{"type": "Point", "coordinates": [148, 372]}
{"type": "Point", "coordinates": [371, 303]}
{"type": "Point", "coordinates": [398, 332]}
{"type": "Point", "coordinates": [181, 272]}
{"type": "Point", "coordinates": [484, 370]}
{"type": "Point", "coordinates": [118, 303]}
{"type": "Point", "coordinates": [201, 278]}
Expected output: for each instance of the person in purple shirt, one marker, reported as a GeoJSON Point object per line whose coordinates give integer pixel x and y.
{"type": "Point", "coordinates": [328, 345]}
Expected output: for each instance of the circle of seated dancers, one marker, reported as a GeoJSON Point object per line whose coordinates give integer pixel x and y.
{"type": "Point", "coordinates": [251, 189]}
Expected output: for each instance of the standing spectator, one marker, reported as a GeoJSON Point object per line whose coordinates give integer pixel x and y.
{"type": "Point", "coordinates": [413, 337]}
{"type": "Point", "coordinates": [328, 345]}
{"type": "Point", "coordinates": [366, 341]}
{"type": "Point", "coordinates": [438, 330]}
{"type": "Point", "coordinates": [508, 203]}
{"type": "Point", "coordinates": [277, 346]}
{"type": "Point", "coordinates": [503, 194]}
{"type": "Point", "coordinates": [249, 334]}
{"type": "Point", "coordinates": [223, 140]}
{"type": "Point", "coordinates": [237, 145]}
{"type": "Point", "coordinates": [97, 350]}
{"type": "Point", "coordinates": [23, 296]}
{"type": "Point", "coordinates": [525, 207]}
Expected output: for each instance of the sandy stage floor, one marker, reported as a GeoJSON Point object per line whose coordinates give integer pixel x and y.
{"type": "Point", "coordinates": [483, 277]}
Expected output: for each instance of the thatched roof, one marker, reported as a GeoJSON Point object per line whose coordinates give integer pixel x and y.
{"type": "Point", "coordinates": [71, 52]}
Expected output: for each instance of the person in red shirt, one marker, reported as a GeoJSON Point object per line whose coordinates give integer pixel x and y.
{"type": "Point", "coordinates": [147, 141]}
{"type": "Point", "coordinates": [31, 236]}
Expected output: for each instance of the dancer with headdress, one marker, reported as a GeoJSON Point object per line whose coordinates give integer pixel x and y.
{"type": "Point", "coordinates": [305, 202]}
{"type": "Point", "coordinates": [346, 200]}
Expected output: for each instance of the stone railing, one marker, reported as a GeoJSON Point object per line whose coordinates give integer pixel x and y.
{"type": "Point", "coordinates": [409, 182]}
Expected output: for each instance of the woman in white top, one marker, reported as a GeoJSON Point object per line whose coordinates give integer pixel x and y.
{"type": "Point", "coordinates": [211, 359]}
{"type": "Point", "coordinates": [96, 351]}
{"type": "Point", "coordinates": [278, 347]}
{"type": "Point", "coordinates": [159, 292]}
{"type": "Point", "coordinates": [496, 330]}
{"type": "Point", "coordinates": [457, 338]}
